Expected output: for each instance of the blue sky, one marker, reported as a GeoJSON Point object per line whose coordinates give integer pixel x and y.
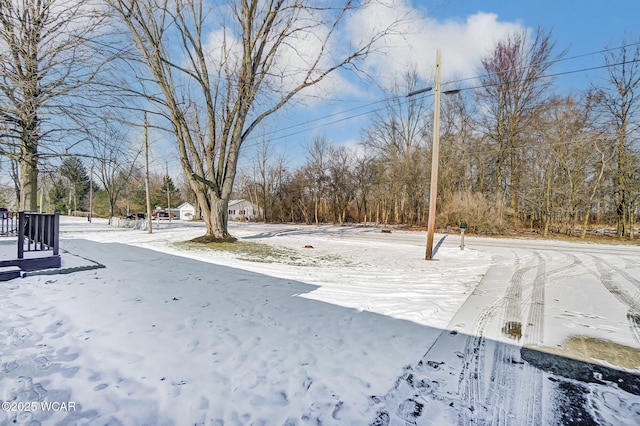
{"type": "Point", "coordinates": [582, 27]}
{"type": "Point", "coordinates": [464, 30]}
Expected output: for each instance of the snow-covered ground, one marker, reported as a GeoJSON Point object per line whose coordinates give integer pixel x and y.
{"type": "Point", "coordinates": [300, 325]}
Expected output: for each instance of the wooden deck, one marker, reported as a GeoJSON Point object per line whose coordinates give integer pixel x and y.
{"type": "Point", "coordinates": [30, 243]}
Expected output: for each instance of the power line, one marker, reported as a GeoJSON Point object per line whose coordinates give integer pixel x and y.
{"type": "Point", "coordinates": [390, 98]}
{"type": "Point", "coordinates": [322, 122]}
{"type": "Point", "coordinates": [304, 123]}
{"type": "Point", "coordinates": [549, 63]}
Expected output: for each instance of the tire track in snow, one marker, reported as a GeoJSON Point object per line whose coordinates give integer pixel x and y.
{"type": "Point", "coordinates": [633, 280]}
{"type": "Point", "coordinates": [535, 321]}
{"type": "Point", "coordinates": [499, 361]}
{"type": "Point", "coordinates": [632, 301]}
{"type": "Point", "coordinates": [513, 310]}
{"type": "Point", "coordinates": [630, 263]}
{"type": "Point", "coordinates": [472, 374]}
{"type": "Point", "coordinates": [575, 262]}
{"type": "Point", "coordinates": [493, 385]}
{"type": "Point", "coordinates": [509, 372]}
{"type": "Point", "coordinates": [435, 385]}
{"type": "Point", "coordinates": [476, 402]}
{"type": "Point", "coordinates": [530, 388]}
{"type": "Point", "coordinates": [529, 392]}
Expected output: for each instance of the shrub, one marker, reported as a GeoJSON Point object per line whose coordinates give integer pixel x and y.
{"type": "Point", "coordinates": [476, 210]}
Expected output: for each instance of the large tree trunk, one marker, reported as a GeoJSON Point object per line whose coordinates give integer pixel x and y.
{"type": "Point", "coordinates": [29, 183]}
{"type": "Point", "coordinates": [214, 214]}
{"type": "Point", "coordinates": [15, 177]}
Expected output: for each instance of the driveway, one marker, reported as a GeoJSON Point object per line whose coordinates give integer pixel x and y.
{"type": "Point", "coordinates": [550, 336]}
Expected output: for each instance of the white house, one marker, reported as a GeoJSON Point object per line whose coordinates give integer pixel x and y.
{"type": "Point", "coordinates": [187, 211]}
{"type": "Point", "coordinates": [241, 210]}
{"type": "Point", "coordinates": [238, 210]}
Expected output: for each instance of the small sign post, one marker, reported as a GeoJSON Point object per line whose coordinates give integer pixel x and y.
{"type": "Point", "coordinates": [463, 227]}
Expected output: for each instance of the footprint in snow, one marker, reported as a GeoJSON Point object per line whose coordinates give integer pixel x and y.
{"type": "Point", "coordinates": [8, 364]}
{"type": "Point", "coordinates": [410, 409]}
{"type": "Point", "coordinates": [23, 389]}
{"type": "Point", "coordinates": [336, 410]}
{"type": "Point", "coordinates": [63, 355]}
{"type": "Point", "coordinates": [433, 365]}
{"type": "Point", "coordinates": [42, 362]}
{"type": "Point", "coordinates": [204, 403]}
{"type": "Point", "coordinates": [20, 335]}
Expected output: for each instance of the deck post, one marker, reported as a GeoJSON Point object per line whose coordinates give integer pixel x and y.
{"type": "Point", "coordinates": [20, 235]}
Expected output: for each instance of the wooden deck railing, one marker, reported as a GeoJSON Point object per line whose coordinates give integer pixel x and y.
{"type": "Point", "coordinates": [8, 224]}
{"type": "Point", "coordinates": [38, 232]}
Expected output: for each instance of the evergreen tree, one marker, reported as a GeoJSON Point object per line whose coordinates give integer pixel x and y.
{"type": "Point", "coordinates": [78, 182]}
{"type": "Point", "coordinates": [59, 195]}
{"type": "Point", "coordinates": [159, 196]}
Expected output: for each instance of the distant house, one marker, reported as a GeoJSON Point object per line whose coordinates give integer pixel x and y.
{"type": "Point", "coordinates": [187, 211]}
{"type": "Point", "coordinates": [241, 210]}
{"type": "Point", "coordinates": [238, 210]}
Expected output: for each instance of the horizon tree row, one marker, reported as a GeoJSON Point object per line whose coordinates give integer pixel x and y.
{"type": "Point", "coordinates": [513, 155]}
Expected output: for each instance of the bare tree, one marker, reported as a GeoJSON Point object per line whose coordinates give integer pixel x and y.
{"type": "Point", "coordinates": [562, 159]}
{"type": "Point", "coordinates": [341, 181]}
{"type": "Point", "coordinates": [458, 143]}
{"type": "Point", "coordinates": [261, 178]}
{"type": "Point", "coordinates": [316, 172]}
{"type": "Point", "coordinates": [116, 162]}
{"type": "Point", "coordinates": [239, 80]}
{"type": "Point", "coordinates": [397, 137]}
{"type": "Point", "coordinates": [267, 170]}
{"type": "Point", "coordinates": [295, 198]}
{"type": "Point", "coordinates": [634, 199]}
{"type": "Point", "coordinates": [364, 176]}
{"type": "Point", "coordinates": [513, 89]}
{"type": "Point", "coordinates": [44, 60]}
{"type": "Point", "coordinates": [621, 106]}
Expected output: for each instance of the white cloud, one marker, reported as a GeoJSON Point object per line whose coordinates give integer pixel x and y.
{"type": "Point", "coordinates": [412, 45]}
{"type": "Point", "coordinates": [463, 42]}
{"type": "Point", "coordinates": [293, 59]}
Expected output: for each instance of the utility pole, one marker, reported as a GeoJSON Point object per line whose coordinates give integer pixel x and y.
{"type": "Point", "coordinates": [433, 191]}
{"type": "Point", "coordinates": [146, 173]}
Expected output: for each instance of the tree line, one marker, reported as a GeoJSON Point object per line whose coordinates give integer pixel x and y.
{"type": "Point", "coordinates": [513, 154]}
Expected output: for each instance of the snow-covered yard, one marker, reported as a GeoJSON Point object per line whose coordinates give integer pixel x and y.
{"type": "Point", "coordinates": [321, 325]}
